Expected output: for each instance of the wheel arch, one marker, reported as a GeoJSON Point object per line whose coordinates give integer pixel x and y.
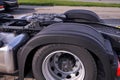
{"type": "Point", "coordinates": [61, 37]}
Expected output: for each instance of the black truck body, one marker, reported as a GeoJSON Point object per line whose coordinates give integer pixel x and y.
{"type": "Point", "coordinates": [8, 5]}
{"type": "Point", "coordinates": [78, 38]}
{"type": "Point", "coordinates": [1, 5]}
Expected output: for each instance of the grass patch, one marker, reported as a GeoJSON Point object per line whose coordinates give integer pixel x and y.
{"type": "Point", "coordinates": [36, 2]}
{"type": "Point", "coordinates": [66, 3]}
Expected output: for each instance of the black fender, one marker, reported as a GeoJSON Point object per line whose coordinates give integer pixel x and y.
{"type": "Point", "coordinates": [68, 33]}
{"type": "Point", "coordinates": [82, 14]}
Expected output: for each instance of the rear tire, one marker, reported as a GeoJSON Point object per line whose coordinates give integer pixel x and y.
{"type": "Point", "coordinates": [62, 61]}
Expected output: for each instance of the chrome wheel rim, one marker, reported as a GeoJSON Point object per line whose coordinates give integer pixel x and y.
{"type": "Point", "coordinates": [63, 65]}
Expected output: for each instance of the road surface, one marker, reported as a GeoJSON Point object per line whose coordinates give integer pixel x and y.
{"type": "Point", "coordinates": [108, 14]}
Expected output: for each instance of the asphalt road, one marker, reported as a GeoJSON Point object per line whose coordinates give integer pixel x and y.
{"type": "Point", "coordinates": [110, 15]}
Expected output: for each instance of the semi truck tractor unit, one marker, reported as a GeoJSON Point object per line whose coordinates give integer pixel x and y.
{"type": "Point", "coordinates": [75, 45]}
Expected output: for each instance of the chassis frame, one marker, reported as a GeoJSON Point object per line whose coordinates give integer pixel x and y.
{"type": "Point", "coordinates": [109, 50]}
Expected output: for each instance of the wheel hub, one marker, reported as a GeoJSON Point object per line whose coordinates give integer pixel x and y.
{"type": "Point", "coordinates": [66, 62]}
{"type": "Point", "coordinates": [63, 65]}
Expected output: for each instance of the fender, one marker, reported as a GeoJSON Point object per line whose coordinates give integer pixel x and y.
{"type": "Point", "coordinates": [66, 37]}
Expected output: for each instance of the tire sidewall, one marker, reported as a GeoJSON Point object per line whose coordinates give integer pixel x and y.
{"type": "Point", "coordinates": [81, 53]}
